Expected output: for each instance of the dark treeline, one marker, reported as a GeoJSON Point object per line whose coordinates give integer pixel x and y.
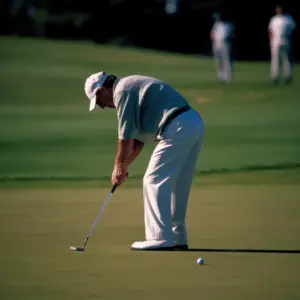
{"type": "Point", "coordinates": [147, 24]}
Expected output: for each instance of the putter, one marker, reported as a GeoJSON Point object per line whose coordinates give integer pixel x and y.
{"type": "Point", "coordinates": [95, 222]}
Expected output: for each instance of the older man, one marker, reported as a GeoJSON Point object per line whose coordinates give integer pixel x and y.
{"type": "Point", "coordinates": [281, 27]}
{"type": "Point", "coordinates": [149, 109]}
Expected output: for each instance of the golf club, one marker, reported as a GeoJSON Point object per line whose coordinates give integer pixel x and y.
{"type": "Point", "coordinates": [95, 222]}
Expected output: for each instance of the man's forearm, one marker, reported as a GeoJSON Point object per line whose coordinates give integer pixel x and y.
{"type": "Point", "coordinates": [270, 35]}
{"type": "Point", "coordinates": [136, 150]}
{"type": "Point", "coordinates": [125, 150]}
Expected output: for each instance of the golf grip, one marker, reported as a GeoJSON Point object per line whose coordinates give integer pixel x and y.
{"type": "Point", "coordinates": [114, 188]}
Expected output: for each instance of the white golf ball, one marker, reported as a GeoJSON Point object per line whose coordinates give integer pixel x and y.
{"type": "Point", "coordinates": [200, 261]}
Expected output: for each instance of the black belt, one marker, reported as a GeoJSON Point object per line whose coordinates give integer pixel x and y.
{"type": "Point", "coordinates": [174, 115]}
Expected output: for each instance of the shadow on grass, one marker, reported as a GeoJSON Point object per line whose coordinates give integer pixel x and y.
{"type": "Point", "coordinates": [242, 250]}
{"type": "Point", "coordinates": [228, 250]}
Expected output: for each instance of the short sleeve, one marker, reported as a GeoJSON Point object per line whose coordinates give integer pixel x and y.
{"type": "Point", "coordinates": [128, 113]}
{"type": "Point", "coordinates": [213, 29]}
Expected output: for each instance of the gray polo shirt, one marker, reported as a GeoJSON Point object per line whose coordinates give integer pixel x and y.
{"type": "Point", "coordinates": [143, 105]}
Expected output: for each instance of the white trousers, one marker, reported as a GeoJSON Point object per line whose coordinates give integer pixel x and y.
{"type": "Point", "coordinates": [223, 60]}
{"type": "Point", "coordinates": [168, 178]}
{"type": "Point", "coordinates": [281, 55]}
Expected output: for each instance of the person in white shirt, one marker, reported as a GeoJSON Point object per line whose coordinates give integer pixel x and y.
{"type": "Point", "coordinates": [221, 36]}
{"type": "Point", "coordinates": [281, 27]}
{"type": "Point", "coordinates": [150, 110]}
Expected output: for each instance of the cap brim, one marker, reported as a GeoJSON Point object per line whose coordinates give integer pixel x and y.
{"type": "Point", "coordinates": [94, 99]}
{"type": "Point", "coordinates": [92, 103]}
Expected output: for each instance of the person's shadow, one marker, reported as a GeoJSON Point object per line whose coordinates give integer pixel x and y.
{"type": "Point", "coordinates": [241, 250]}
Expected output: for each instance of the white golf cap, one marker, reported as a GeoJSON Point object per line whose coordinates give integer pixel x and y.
{"type": "Point", "coordinates": [92, 85]}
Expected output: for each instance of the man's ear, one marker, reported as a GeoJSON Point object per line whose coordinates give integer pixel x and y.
{"type": "Point", "coordinates": [98, 93]}
{"type": "Point", "coordinates": [103, 90]}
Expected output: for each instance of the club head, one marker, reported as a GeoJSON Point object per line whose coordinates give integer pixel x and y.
{"type": "Point", "coordinates": [80, 249]}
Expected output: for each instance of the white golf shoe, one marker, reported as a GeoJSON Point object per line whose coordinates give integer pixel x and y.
{"type": "Point", "coordinates": [153, 245]}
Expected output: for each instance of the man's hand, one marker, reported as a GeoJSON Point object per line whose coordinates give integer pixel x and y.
{"type": "Point", "coordinates": [120, 173]}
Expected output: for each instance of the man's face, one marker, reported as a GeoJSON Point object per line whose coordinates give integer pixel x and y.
{"type": "Point", "coordinates": [278, 9]}
{"type": "Point", "coordinates": [104, 98]}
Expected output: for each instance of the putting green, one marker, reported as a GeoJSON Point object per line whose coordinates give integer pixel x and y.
{"type": "Point", "coordinates": [37, 226]}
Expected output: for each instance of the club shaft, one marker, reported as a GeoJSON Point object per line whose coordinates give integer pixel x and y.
{"type": "Point", "coordinates": [100, 213]}
{"type": "Point", "coordinates": [85, 242]}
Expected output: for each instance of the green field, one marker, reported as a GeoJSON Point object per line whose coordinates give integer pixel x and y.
{"type": "Point", "coordinates": [55, 166]}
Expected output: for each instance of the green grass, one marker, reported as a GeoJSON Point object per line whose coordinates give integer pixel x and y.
{"type": "Point", "coordinates": [46, 129]}
{"type": "Point", "coordinates": [55, 166]}
{"type": "Point", "coordinates": [38, 225]}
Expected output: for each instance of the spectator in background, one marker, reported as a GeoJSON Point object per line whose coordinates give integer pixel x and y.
{"type": "Point", "coordinates": [221, 36]}
{"type": "Point", "coordinates": [171, 6]}
{"type": "Point", "coordinates": [281, 27]}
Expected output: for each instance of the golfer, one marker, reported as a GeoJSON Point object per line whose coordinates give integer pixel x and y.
{"type": "Point", "coordinates": [148, 110]}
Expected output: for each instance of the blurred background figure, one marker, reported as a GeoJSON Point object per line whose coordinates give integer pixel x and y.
{"type": "Point", "coordinates": [171, 6]}
{"type": "Point", "coordinates": [281, 27]}
{"type": "Point", "coordinates": [221, 36]}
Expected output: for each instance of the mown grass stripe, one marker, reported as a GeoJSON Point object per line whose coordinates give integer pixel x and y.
{"type": "Point", "coordinates": [252, 168]}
